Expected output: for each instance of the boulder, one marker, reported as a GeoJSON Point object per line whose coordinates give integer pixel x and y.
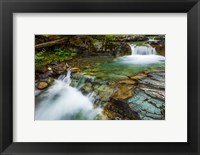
{"type": "Point", "coordinates": [58, 68]}
{"type": "Point", "coordinates": [119, 110]}
{"type": "Point", "coordinates": [42, 85]}
{"type": "Point", "coordinates": [121, 49]}
{"type": "Point", "coordinates": [75, 70]}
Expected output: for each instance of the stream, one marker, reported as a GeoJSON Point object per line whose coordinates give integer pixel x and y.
{"type": "Point", "coordinates": [61, 101]}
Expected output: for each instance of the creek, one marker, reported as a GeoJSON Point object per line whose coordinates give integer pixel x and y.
{"type": "Point", "coordinates": [61, 101]}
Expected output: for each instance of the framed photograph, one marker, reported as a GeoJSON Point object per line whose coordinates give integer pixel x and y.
{"type": "Point", "coordinates": [106, 77]}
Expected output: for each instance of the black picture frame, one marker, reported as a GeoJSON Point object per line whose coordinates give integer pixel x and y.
{"type": "Point", "coordinates": [8, 7]}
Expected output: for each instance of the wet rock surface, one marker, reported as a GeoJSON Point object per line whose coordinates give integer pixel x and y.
{"type": "Point", "coordinates": [149, 98]}
{"type": "Point", "coordinates": [124, 90]}
{"type": "Point", "coordinates": [140, 97]}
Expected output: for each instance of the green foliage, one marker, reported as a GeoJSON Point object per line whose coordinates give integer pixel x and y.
{"type": "Point", "coordinates": [59, 52]}
{"type": "Point", "coordinates": [105, 37]}
{"type": "Point", "coordinates": [151, 37]}
{"type": "Point", "coordinates": [87, 38]}
{"type": "Point", "coordinates": [44, 58]}
{"type": "Point", "coordinates": [140, 43]}
{"type": "Point", "coordinates": [110, 37]}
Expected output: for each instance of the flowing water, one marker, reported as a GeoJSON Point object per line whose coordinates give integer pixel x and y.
{"type": "Point", "coordinates": [61, 101]}
{"type": "Point", "coordinates": [142, 58]}
{"type": "Point", "coordinates": [143, 55]}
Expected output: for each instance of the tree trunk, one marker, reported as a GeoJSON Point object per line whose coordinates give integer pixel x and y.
{"type": "Point", "coordinates": [50, 43]}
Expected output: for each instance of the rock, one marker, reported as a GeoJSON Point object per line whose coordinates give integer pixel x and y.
{"type": "Point", "coordinates": [153, 71]}
{"type": "Point", "coordinates": [155, 93]}
{"type": "Point", "coordinates": [160, 48]}
{"type": "Point", "coordinates": [119, 110]}
{"type": "Point", "coordinates": [42, 85]}
{"type": "Point", "coordinates": [153, 83]}
{"type": "Point", "coordinates": [127, 81]}
{"type": "Point", "coordinates": [75, 70]}
{"type": "Point", "coordinates": [121, 49]}
{"type": "Point", "coordinates": [146, 106]}
{"type": "Point", "coordinates": [157, 76]}
{"type": "Point", "coordinates": [122, 91]}
{"type": "Point", "coordinates": [50, 81]}
{"type": "Point", "coordinates": [149, 96]}
{"type": "Point", "coordinates": [138, 76]}
{"type": "Point", "coordinates": [87, 88]}
{"type": "Point", "coordinates": [59, 68]}
{"type": "Point", "coordinates": [42, 70]}
{"type": "Point", "coordinates": [142, 94]}
{"type": "Point", "coordinates": [49, 68]}
{"type": "Point", "coordinates": [104, 92]}
{"type": "Point", "coordinates": [45, 75]}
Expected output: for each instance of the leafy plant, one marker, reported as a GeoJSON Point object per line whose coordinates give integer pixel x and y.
{"type": "Point", "coordinates": [44, 58]}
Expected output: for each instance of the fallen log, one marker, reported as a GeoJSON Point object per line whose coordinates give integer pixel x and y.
{"type": "Point", "coordinates": [50, 43]}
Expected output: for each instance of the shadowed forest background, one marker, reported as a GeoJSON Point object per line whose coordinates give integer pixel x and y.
{"type": "Point", "coordinates": [100, 77]}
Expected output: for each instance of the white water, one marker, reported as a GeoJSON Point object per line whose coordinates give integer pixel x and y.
{"type": "Point", "coordinates": [152, 40]}
{"type": "Point", "coordinates": [61, 101]}
{"type": "Point", "coordinates": [143, 55]}
{"type": "Point", "coordinates": [142, 50]}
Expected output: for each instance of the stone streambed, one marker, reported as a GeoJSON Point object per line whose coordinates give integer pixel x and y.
{"type": "Point", "coordinates": [139, 97]}
{"type": "Point", "coordinates": [123, 91]}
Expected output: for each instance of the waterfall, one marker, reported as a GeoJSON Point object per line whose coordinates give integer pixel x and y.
{"type": "Point", "coordinates": [63, 102]}
{"type": "Point", "coordinates": [152, 40]}
{"type": "Point", "coordinates": [143, 55]}
{"type": "Point", "coordinates": [142, 50]}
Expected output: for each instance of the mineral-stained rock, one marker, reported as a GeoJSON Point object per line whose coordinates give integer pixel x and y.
{"type": "Point", "coordinates": [138, 76]}
{"type": "Point", "coordinates": [138, 97]}
{"type": "Point", "coordinates": [146, 106]}
{"type": "Point", "coordinates": [75, 70]}
{"type": "Point", "coordinates": [127, 81]}
{"type": "Point", "coordinates": [123, 91]}
{"type": "Point", "coordinates": [149, 96]}
{"type": "Point", "coordinates": [42, 85]}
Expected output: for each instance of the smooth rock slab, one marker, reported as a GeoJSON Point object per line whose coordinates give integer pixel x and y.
{"type": "Point", "coordinates": [149, 97]}
{"type": "Point", "coordinates": [145, 106]}
{"type": "Point", "coordinates": [153, 83]}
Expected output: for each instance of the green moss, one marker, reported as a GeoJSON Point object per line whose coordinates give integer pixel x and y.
{"type": "Point", "coordinates": [140, 43]}
{"type": "Point", "coordinates": [44, 58]}
{"type": "Point", "coordinates": [151, 37]}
